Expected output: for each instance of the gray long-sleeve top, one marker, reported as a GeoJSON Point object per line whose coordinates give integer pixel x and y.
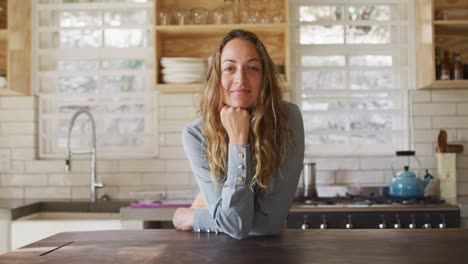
{"type": "Point", "coordinates": [230, 205]}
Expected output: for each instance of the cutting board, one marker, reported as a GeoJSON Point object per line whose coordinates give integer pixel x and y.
{"type": "Point", "coordinates": [447, 175]}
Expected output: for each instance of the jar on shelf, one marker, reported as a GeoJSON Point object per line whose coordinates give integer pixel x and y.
{"type": "Point", "coordinates": [457, 67]}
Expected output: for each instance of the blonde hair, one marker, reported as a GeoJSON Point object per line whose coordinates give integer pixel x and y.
{"type": "Point", "coordinates": [268, 130]}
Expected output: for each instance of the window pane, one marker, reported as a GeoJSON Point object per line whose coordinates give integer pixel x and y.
{"type": "Point", "coordinates": [125, 18]}
{"type": "Point", "coordinates": [126, 38]}
{"type": "Point", "coordinates": [371, 80]}
{"type": "Point", "coordinates": [323, 106]}
{"type": "Point", "coordinates": [125, 83]}
{"type": "Point", "coordinates": [317, 61]}
{"type": "Point", "coordinates": [376, 34]}
{"type": "Point", "coordinates": [367, 139]}
{"type": "Point", "coordinates": [323, 80]}
{"type": "Point", "coordinates": [319, 13]}
{"type": "Point", "coordinates": [371, 60]}
{"type": "Point", "coordinates": [79, 84]}
{"type": "Point", "coordinates": [77, 65]}
{"type": "Point", "coordinates": [76, 39]}
{"type": "Point", "coordinates": [374, 121]}
{"type": "Point", "coordinates": [124, 126]}
{"type": "Point", "coordinates": [315, 122]}
{"type": "Point", "coordinates": [368, 13]}
{"type": "Point", "coordinates": [78, 18]}
{"type": "Point", "coordinates": [329, 138]}
{"type": "Point", "coordinates": [321, 34]}
{"type": "Point", "coordinates": [372, 105]}
{"type": "Point", "coordinates": [123, 64]}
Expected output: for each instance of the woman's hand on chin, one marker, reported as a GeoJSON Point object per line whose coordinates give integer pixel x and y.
{"type": "Point", "coordinates": [236, 121]}
{"type": "Point", "coordinates": [183, 218]}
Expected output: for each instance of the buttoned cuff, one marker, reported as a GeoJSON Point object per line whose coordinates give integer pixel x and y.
{"type": "Point", "coordinates": [238, 166]}
{"type": "Point", "coordinates": [203, 222]}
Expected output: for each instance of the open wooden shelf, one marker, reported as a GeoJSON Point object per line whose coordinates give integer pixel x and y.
{"type": "Point", "coordinates": [448, 84]}
{"type": "Point", "coordinates": [179, 88]}
{"type": "Point", "coordinates": [210, 29]}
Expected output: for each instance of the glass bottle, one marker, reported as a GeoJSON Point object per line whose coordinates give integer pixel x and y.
{"type": "Point", "coordinates": [445, 67]}
{"type": "Point", "coordinates": [457, 67]}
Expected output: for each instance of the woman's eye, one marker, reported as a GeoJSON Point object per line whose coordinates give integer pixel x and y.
{"type": "Point", "coordinates": [253, 68]}
{"type": "Point", "coordinates": [228, 69]}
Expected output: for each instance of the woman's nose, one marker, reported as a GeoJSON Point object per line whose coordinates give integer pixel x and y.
{"type": "Point", "coordinates": [239, 76]}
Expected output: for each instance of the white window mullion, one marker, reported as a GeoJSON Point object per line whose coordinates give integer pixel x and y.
{"type": "Point", "coordinates": [119, 94]}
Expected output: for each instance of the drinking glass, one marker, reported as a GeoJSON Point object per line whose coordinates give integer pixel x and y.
{"type": "Point", "coordinates": [199, 15]}
{"type": "Point", "coordinates": [183, 17]}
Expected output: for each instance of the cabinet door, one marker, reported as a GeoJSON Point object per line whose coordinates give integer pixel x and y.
{"type": "Point", "coordinates": [19, 46]}
{"type": "Point", "coordinates": [200, 40]}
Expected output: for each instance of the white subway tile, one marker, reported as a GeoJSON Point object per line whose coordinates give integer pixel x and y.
{"type": "Point", "coordinates": [142, 165]}
{"type": "Point", "coordinates": [44, 166]}
{"type": "Point", "coordinates": [81, 179]}
{"type": "Point", "coordinates": [173, 178]}
{"type": "Point", "coordinates": [427, 162]}
{"type": "Point", "coordinates": [186, 113]}
{"type": "Point", "coordinates": [420, 96]}
{"type": "Point", "coordinates": [122, 179]}
{"type": "Point", "coordinates": [462, 162]}
{"type": "Point", "coordinates": [18, 102]}
{"type": "Point", "coordinates": [424, 136]}
{"type": "Point", "coordinates": [373, 163]}
{"type": "Point", "coordinates": [361, 177]}
{"type": "Point", "coordinates": [172, 153]}
{"type": "Point", "coordinates": [18, 128]}
{"type": "Point", "coordinates": [23, 154]}
{"type": "Point", "coordinates": [421, 122]}
{"type": "Point", "coordinates": [337, 163]}
{"type": "Point", "coordinates": [176, 100]}
{"type": "Point", "coordinates": [434, 109]}
{"type": "Point", "coordinates": [11, 193]}
{"type": "Point", "coordinates": [325, 177]}
{"type": "Point", "coordinates": [424, 149]}
{"type": "Point", "coordinates": [166, 126]}
{"type": "Point", "coordinates": [59, 179]}
{"type": "Point", "coordinates": [16, 167]}
{"type": "Point", "coordinates": [462, 188]}
{"type": "Point", "coordinates": [462, 109]}
{"type": "Point", "coordinates": [22, 141]}
{"type": "Point", "coordinates": [462, 175]}
{"type": "Point", "coordinates": [178, 166]}
{"type": "Point", "coordinates": [80, 193]}
{"type": "Point", "coordinates": [449, 96]}
{"type": "Point", "coordinates": [172, 139]}
{"type": "Point", "coordinates": [47, 193]}
{"type": "Point", "coordinates": [445, 122]}
{"type": "Point", "coordinates": [84, 165]}
{"type": "Point", "coordinates": [462, 136]}
{"type": "Point", "coordinates": [25, 180]}
{"type": "Point", "coordinates": [5, 160]}
{"type": "Point", "coordinates": [17, 115]}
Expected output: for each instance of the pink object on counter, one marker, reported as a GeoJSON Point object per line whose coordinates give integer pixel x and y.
{"type": "Point", "coordinates": [158, 205]}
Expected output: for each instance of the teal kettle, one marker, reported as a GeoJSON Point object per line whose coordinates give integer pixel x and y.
{"type": "Point", "coordinates": [405, 184]}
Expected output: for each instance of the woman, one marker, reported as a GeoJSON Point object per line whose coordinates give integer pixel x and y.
{"type": "Point", "coordinates": [247, 147]}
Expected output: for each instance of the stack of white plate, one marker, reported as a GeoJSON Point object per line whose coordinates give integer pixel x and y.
{"type": "Point", "coordinates": [182, 70]}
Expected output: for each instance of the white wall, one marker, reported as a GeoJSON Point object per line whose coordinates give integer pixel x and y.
{"type": "Point", "coordinates": [23, 176]}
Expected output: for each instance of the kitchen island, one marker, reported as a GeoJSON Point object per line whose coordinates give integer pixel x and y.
{"type": "Point", "coordinates": [291, 246]}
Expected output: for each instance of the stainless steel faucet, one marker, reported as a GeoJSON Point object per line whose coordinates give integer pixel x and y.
{"type": "Point", "coordinates": [91, 151]}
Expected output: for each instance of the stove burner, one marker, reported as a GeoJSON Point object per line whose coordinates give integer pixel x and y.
{"type": "Point", "coordinates": [371, 200]}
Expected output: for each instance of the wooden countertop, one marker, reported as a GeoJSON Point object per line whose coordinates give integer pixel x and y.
{"type": "Point", "coordinates": [291, 246]}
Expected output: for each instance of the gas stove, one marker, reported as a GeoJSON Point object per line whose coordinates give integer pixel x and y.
{"type": "Point", "coordinates": [359, 211]}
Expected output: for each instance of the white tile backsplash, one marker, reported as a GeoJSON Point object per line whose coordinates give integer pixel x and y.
{"type": "Point", "coordinates": [22, 175]}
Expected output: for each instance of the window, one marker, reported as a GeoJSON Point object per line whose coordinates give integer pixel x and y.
{"type": "Point", "coordinates": [97, 55]}
{"type": "Point", "coordinates": [351, 72]}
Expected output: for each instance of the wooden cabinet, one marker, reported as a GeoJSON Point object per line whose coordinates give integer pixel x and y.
{"type": "Point", "coordinates": [15, 46]}
{"type": "Point", "coordinates": [200, 40]}
{"type": "Point", "coordinates": [442, 25]}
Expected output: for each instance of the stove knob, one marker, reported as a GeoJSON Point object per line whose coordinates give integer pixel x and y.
{"type": "Point", "coordinates": [305, 226]}
{"type": "Point", "coordinates": [427, 225]}
{"type": "Point", "coordinates": [383, 225]}
{"type": "Point", "coordinates": [412, 225]}
{"type": "Point", "coordinates": [397, 226]}
{"type": "Point", "coordinates": [349, 225]}
{"type": "Point", "coordinates": [323, 226]}
{"type": "Point", "coordinates": [442, 224]}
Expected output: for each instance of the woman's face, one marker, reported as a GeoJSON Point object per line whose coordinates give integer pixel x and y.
{"type": "Point", "coordinates": [241, 74]}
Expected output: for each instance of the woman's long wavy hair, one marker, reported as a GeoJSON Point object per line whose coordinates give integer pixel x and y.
{"type": "Point", "coordinates": [268, 129]}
